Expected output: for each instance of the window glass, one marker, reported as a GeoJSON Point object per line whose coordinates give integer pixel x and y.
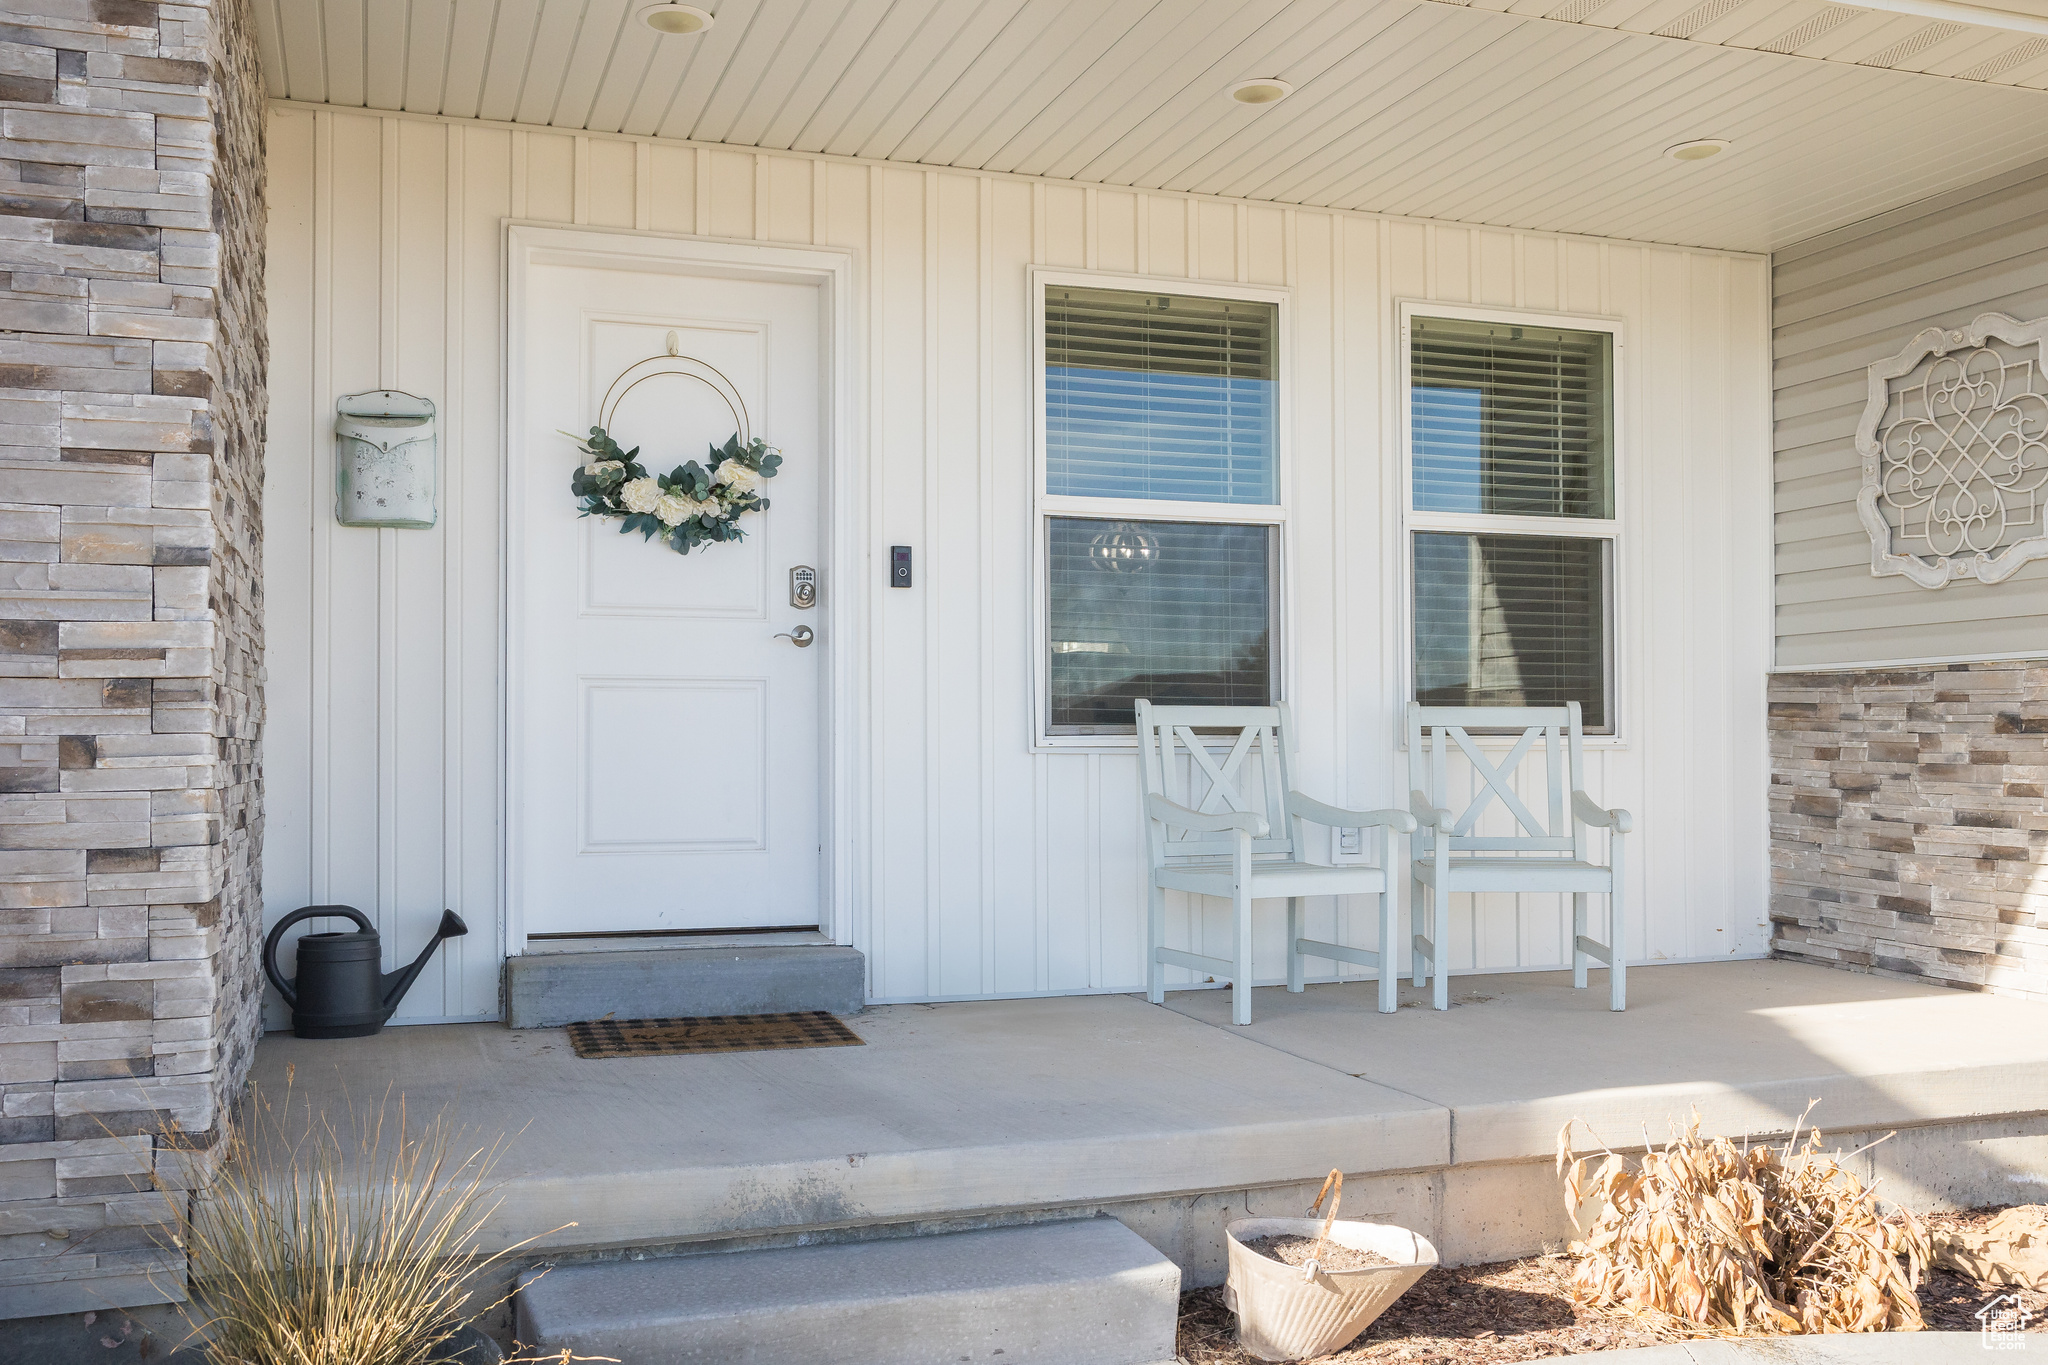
{"type": "Point", "coordinates": [1159, 396]}
{"type": "Point", "coordinates": [1179, 612]}
{"type": "Point", "coordinates": [1511, 420]}
{"type": "Point", "coordinates": [1511, 621]}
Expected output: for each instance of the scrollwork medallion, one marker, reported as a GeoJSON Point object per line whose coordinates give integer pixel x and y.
{"type": "Point", "coordinates": [1954, 440]}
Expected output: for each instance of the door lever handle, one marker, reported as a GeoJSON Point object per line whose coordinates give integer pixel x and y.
{"type": "Point", "coordinates": [801, 637]}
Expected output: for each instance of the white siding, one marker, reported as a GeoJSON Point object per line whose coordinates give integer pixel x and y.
{"type": "Point", "coordinates": [988, 869]}
{"type": "Point", "coordinates": [1841, 302]}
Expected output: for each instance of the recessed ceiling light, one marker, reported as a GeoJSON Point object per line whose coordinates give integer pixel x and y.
{"type": "Point", "coordinates": [673, 18]}
{"type": "Point", "coordinates": [1263, 90]}
{"type": "Point", "coordinates": [1698, 150]}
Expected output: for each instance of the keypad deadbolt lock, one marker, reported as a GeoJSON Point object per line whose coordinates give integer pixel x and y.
{"type": "Point", "coordinates": [803, 587]}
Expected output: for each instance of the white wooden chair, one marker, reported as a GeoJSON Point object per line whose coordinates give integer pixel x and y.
{"type": "Point", "coordinates": [1547, 855]}
{"type": "Point", "coordinates": [1231, 828]}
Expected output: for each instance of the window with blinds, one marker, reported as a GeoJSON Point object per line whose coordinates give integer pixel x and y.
{"type": "Point", "coordinates": [1177, 612]}
{"type": "Point", "coordinates": [1512, 621]}
{"type": "Point", "coordinates": [1511, 419]}
{"type": "Point", "coordinates": [1160, 396]}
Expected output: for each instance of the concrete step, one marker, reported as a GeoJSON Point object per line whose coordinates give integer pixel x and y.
{"type": "Point", "coordinates": [547, 990]}
{"type": "Point", "coordinates": [1083, 1292]}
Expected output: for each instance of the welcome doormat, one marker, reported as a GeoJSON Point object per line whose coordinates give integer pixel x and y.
{"type": "Point", "coordinates": [710, 1033]}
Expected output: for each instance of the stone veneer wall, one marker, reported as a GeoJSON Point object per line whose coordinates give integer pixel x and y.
{"type": "Point", "coordinates": [1909, 828]}
{"type": "Point", "coordinates": [132, 363]}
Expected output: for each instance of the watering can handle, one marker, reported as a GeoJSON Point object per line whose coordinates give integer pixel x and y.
{"type": "Point", "coordinates": [284, 988]}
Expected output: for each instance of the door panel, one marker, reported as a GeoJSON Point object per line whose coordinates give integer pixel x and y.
{"type": "Point", "coordinates": [630, 797]}
{"type": "Point", "coordinates": [668, 746]}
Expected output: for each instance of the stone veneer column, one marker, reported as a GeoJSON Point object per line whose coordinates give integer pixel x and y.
{"type": "Point", "coordinates": [1909, 829]}
{"type": "Point", "coordinates": [132, 362]}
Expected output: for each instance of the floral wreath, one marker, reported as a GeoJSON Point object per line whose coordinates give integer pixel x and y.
{"type": "Point", "coordinates": [690, 505]}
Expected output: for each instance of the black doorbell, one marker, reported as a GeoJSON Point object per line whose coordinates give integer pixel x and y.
{"type": "Point", "coordinates": [899, 566]}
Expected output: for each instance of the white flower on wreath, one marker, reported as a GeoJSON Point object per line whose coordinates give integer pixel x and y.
{"type": "Point", "coordinates": [605, 469]}
{"type": "Point", "coordinates": [737, 479]}
{"type": "Point", "coordinates": [641, 495]}
{"type": "Point", "coordinates": [673, 509]}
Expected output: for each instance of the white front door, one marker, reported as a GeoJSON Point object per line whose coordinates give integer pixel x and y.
{"type": "Point", "coordinates": [667, 744]}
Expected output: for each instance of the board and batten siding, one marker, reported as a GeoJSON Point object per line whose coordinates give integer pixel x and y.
{"type": "Point", "coordinates": [1840, 302]}
{"type": "Point", "coordinates": [984, 868]}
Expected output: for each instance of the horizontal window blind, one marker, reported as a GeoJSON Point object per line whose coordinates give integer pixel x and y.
{"type": "Point", "coordinates": [1511, 419]}
{"type": "Point", "coordinates": [1159, 396]}
{"type": "Point", "coordinates": [1177, 612]}
{"type": "Point", "coordinates": [1512, 621]}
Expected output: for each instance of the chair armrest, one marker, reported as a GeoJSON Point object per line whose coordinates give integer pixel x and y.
{"type": "Point", "coordinates": [1426, 815]}
{"type": "Point", "coordinates": [1618, 820]}
{"type": "Point", "coordinates": [1336, 817]}
{"type": "Point", "coordinates": [1220, 822]}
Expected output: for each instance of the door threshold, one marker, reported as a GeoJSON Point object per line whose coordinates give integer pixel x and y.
{"type": "Point", "coordinates": [790, 935]}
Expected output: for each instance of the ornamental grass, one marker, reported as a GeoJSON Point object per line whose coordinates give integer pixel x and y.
{"type": "Point", "coordinates": [1705, 1236]}
{"type": "Point", "coordinates": [313, 1244]}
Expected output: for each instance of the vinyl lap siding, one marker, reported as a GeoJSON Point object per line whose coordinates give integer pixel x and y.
{"type": "Point", "coordinates": [1841, 302]}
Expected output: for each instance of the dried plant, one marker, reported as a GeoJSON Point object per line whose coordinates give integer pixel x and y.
{"type": "Point", "coordinates": [1713, 1237]}
{"type": "Point", "coordinates": [314, 1243]}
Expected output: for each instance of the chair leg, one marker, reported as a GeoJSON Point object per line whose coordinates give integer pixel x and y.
{"type": "Point", "coordinates": [1389, 978]}
{"type": "Point", "coordinates": [1441, 938]}
{"type": "Point", "coordinates": [1155, 938]}
{"type": "Point", "coordinates": [1617, 971]}
{"type": "Point", "coordinates": [1294, 962]}
{"type": "Point", "coordinates": [1578, 932]}
{"type": "Point", "coordinates": [1418, 905]}
{"type": "Point", "coordinates": [1241, 955]}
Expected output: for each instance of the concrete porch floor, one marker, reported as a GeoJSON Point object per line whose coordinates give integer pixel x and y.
{"type": "Point", "coordinates": [967, 1114]}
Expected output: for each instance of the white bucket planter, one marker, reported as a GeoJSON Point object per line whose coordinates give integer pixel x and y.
{"type": "Point", "coordinates": [1282, 1316]}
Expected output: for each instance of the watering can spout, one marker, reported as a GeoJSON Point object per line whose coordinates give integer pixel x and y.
{"type": "Point", "coordinates": [396, 984]}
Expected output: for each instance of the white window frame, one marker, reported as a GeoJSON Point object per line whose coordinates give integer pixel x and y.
{"type": "Point", "coordinates": [1614, 530]}
{"type": "Point", "coordinates": [1044, 506]}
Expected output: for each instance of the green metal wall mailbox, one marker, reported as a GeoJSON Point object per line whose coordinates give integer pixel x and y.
{"type": "Point", "coordinates": [384, 459]}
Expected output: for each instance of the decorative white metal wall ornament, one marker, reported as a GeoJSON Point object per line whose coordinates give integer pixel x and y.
{"type": "Point", "coordinates": [1954, 440]}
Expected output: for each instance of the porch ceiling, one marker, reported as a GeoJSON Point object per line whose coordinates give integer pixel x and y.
{"type": "Point", "coordinates": [1552, 120]}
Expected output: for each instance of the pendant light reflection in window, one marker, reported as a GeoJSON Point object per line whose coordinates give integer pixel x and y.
{"type": "Point", "coordinates": [1123, 547]}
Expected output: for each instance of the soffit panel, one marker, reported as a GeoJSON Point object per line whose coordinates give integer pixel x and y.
{"type": "Point", "coordinates": [1544, 114]}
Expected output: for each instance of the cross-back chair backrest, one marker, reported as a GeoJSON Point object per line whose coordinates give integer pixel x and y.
{"type": "Point", "coordinates": [1544, 827]}
{"type": "Point", "coordinates": [1212, 759]}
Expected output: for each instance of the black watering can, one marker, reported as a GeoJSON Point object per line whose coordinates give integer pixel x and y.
{"type": "Point", "coordinates": [339, 993]}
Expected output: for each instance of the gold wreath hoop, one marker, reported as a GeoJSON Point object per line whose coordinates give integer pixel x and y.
{"type": "Point", "coordinates": [675, 366]}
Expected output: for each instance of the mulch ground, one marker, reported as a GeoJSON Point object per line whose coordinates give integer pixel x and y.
{"type": "Point", "coordinates": [1523, 1310]}
{"type": "Point", "coordinates": [1950, 1302]}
